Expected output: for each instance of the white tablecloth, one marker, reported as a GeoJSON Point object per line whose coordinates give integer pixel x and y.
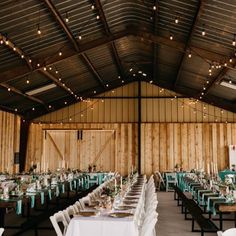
{"type": "Point", "coordinates": [102, 226]}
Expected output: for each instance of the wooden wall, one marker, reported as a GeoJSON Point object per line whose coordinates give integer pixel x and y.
{"type": "Point", "coordinates": [119, 154]}
{"type": "Point", "coordinates": [158, 105]}
{"type": "Point", "coordinates": [163, 146]}
{"type": "Point", "coordinates": [9, 141]}
{"type": "Point", "coordinates": [192, 144]}
{"type": "Point", "coordinates": [174, 130]}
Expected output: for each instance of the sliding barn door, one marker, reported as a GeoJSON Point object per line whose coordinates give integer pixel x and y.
{"type": "Point", "coordinates": [78, 149]}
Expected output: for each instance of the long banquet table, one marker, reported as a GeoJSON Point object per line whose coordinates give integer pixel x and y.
{"type": "Point", "coordinates": [104, 225]}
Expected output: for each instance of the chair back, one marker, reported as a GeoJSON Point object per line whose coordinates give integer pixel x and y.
{"type": "Point", "coordinates": [228, 232]}
{"type": "Point", "coordinates": [59, 223]}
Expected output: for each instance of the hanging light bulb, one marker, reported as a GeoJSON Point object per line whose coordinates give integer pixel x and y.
{"type": "Point", "coordinates": [210, 70]}
{"type": "Point", "coordinates": [1, 41]}
{"type": "Point", "coordinates": [92, 7]}
{"type": "Point", "coordinates": [30, 60]}
{"type": "Point", "coordinates": [38, 30]}
{"type": "Point", "coordinates": [49, 106]}
{"type": "Point", "coordinates": [234, 42]}
{"type": "Point", "coordinates": [230, 59]}
{"type": "Point", "coordinates": [27, 81]}
{"type": "Point", "coordinates": [7, 41]}
{"type": "Point", "coordinates": [154, 8]}
{"type": "Point", "coordinates": [122, 81]}
{"type": "Point", "coordinates": [230, 81]}
{"type": "Point", "coordinates": [16, 109]}
{"type": "Point", "coordinates": [203, 30]}
{"type": "Point", "coordinates": [9, 89]}
{"type": "Point", "coordinates": [225, 64]}
{"type": "Point", "coordinates": [176, 20]}
{"type": "Point", "coordinates": [80, 37]}
{"type": "Point", "coordinates": [190, 54]}
{"type": "Point", "coordinates": [38, 65]}
{"type": "Point", "coordinates": [56, 71]}
{"type": "Point", "coordinates": [22, 56]}
{"type": "Point", "coordinates": [171, 37]}
{"type": "Point", "coordinates": [67, 17]}
{"type": "Point", "coordinates": [60, 53]}
{"type": "Point", "coordinates": [97, 17]}
{"type": "Point", "coordinates": [44, 68]}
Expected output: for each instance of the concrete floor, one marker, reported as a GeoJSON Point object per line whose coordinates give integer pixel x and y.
{"type": "Point", "coordinates": [171, 222]}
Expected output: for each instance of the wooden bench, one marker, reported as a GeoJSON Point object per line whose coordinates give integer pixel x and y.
{"type": "Point", "coordinates": [189, 206]}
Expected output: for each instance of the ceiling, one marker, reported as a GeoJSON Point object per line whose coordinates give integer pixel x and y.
{"type": "Point", "coordinates": [87, 47]}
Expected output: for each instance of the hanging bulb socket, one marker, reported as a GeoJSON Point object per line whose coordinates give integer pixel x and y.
{"type": "Point", "coordinates": [38, 30]}
{"type": "Point", "coordinates": [234, 42]}
{"type": "Point", "coordinates": [176, 20]}
{"type": "Point", "coordinates": [203, 30]}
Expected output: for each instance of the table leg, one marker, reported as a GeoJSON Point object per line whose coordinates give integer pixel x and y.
{"type": "Point", "coordinates": [2, 216]}
{"type": "Point", "coordinates": [221, 220]}
{"type": "Point", "coordinates": [235, 219]}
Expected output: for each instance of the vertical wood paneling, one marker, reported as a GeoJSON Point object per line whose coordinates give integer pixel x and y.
{"type": "Point", "coordinates": [9, 141]}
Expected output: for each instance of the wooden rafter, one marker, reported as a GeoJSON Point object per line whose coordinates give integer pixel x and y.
{"type": "Point", "coordinates": [218, 78]}
{"type": "Point", "coordinates": [108, 33]}
{"type": "Point", "coordinates": [196, 19]}
{"type": "Point", "coordinates": [57, 16]}
{"type": "Point", "coordinates": [22, 71]}
{"type": "Point", "coordinates": [55, 80]}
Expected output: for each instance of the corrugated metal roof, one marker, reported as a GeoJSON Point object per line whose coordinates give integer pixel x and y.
{"type": "Point", "coordinates": [99, 66]}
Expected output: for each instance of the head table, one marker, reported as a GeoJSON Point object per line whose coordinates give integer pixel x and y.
{"type": "Point", "coordinates": [102, 224]}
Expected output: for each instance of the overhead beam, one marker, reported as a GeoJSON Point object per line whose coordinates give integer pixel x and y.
{"type": "Point", "coordinates": [55, 80]}
{"type": "Point", "coordinates": [22, 71]}
{"type": "Point", "coordinates": [108, 33]}
{"type": "Point", "coordinates": [18, 51]}
{"type": "Point", "coordinates": [57, 16]}
{"type": "Point", "coordinates": [197, 16]}
{"type": "Point", "coordinates": [192, 93]}
{"type": "Point", "coordinates": [218, 78]}
{"type": "Point", "coordinates": [59, 103]}
{"type": "Point", "coordinates": [18, 92]}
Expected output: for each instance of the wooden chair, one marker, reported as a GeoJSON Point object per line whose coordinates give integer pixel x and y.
{"type": "Point", "coordinates": [159, 180]}
{"type": "Point", "coordinates": [59, 223]}
{"type": "Point", "coordinates": [228, 232]}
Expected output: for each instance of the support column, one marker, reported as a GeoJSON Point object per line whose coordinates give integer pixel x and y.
{"type": "Point", "coordinates": [24, 132]}
{"type": "Point", "coordinates": [139, 125]}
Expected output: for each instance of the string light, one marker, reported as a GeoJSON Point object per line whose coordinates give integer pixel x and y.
{"type": "Point", "coordinates": [38, 30]}
{"type": "Point", "coordinates": [190, 54]}
{"type": "Point", "coordinates": [176, 20]}
{"type": "Point", "coordinates": [171, 37]}
{"type": "Point", "coordinates": [67, 17]}
{"type": "Point", "coordinates": [230, 59]}
{"type": "Point", "coordinates": [92, 7]}
{"type": "Point", "coordinates": [97, 17]}
{"type": "Point", "coordinates": [154, 8]}
{"type": "Point", "coordinates": [80, 37]}
{"type": "Point", "coordinates": [233, 42]}
{"type": "Point", "coordinates": [27, 81]}
{"type": "Point", "coordinates": [9, 89]}
{"type": "Point", "coordinates": [203, 30]}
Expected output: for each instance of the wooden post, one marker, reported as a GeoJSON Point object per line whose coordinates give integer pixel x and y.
{"type": "Point", "coordinates": [24, 132]}
{"type": "Point", "coordinates": [139, 125]}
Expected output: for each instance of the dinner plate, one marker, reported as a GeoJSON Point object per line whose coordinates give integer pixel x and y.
{"type": "Point", "coordinates": [125, 207]}
{"type": "Point", "coordinates": [86, 213]}
{"type": "Point", "coordinates": [120, 214]}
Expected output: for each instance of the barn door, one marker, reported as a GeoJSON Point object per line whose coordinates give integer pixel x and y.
{"type": "Point", "coordinates": [78, 149]}
{"type": "Point", "coordinates": [59, 149]}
